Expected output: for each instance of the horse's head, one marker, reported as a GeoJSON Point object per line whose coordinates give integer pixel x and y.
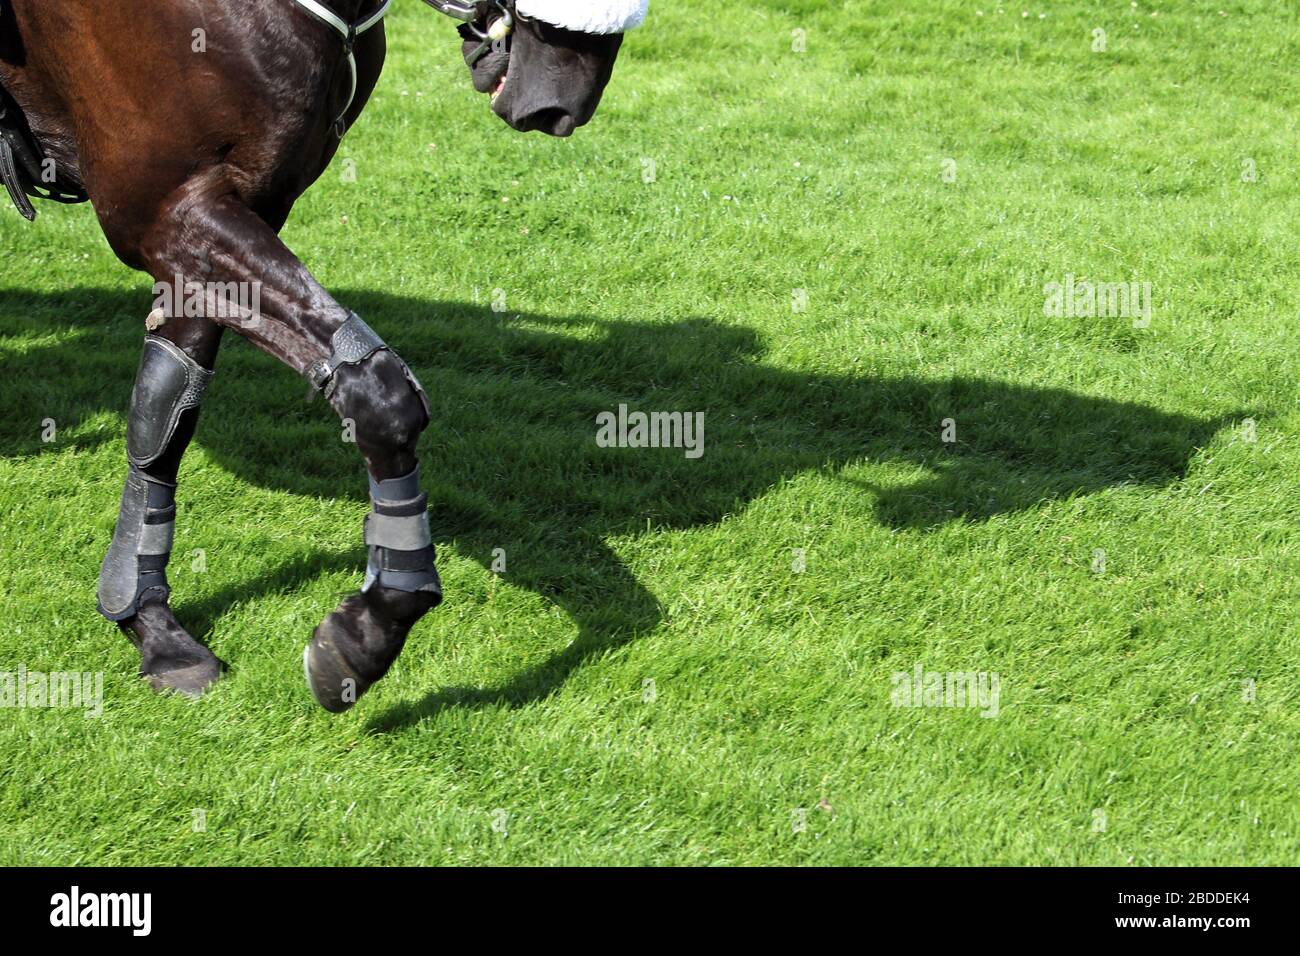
{"type": "Point", "coordinates": [545, 63]}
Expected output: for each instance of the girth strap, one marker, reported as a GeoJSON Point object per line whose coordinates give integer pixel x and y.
{"type": "Point", "coordinates": [349, 32]}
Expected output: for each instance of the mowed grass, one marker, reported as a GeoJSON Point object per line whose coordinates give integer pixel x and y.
{"type": "Point", "coordinates": [1107, 534]}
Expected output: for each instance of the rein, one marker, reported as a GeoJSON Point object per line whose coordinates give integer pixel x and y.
{"type": "Point", "coordinates": [469, 13]}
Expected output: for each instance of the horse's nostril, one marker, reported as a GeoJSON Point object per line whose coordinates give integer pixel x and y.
{"type": "Point", "coordinates": [555, 121]}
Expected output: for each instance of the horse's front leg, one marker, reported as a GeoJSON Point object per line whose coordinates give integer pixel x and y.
{"type": "Point", "coordinates": [217, 239]}
{"type": "Point", "coordinates": [368, 385]}
{"type": "Point", "coordinates": [133, 591]}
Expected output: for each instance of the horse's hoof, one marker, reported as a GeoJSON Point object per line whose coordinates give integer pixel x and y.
{"type": "Point", "coordinates": [333, 682]}
{"type": "Point", "coordinates": [192, 681]}
{"type": "Point", "coordinates": [353, 648]}
{"type": "Point", "coordinates": [170, 659]}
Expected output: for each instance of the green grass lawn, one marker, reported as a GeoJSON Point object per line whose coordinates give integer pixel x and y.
{"type": "Point", "coordinates": [690, 661]}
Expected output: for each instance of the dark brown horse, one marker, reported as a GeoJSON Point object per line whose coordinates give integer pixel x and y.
{"type": "Point", "coordinates": [193, 126]}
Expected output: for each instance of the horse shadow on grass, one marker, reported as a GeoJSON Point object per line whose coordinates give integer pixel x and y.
{"type": "Point", "coordinates": [511, 461]}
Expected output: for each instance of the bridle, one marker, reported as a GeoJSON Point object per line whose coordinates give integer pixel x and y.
{"type": "Point", "coordinates": [470, 14]}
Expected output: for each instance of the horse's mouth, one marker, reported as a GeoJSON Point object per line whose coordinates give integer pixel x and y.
{"type": "Point", "coordinates": [500, 85]}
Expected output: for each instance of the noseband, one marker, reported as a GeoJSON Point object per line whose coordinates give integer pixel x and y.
{"type": "Point", "coordinates": [471, 14]}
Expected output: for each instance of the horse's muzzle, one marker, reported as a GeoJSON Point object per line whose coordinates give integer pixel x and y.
{"type": "Point", "coordinates": [553, 121]}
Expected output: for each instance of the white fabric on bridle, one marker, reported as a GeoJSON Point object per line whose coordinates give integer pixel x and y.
{"type": "Point", "coordinates": [587, 16]}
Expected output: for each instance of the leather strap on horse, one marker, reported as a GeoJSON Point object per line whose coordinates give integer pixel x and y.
{"type": "Point", "coordinates": [22, 164]}
{"type": "Point", "coordinates": [14, 185]}
{"type": "Point", "coordinates": [349, 32]}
